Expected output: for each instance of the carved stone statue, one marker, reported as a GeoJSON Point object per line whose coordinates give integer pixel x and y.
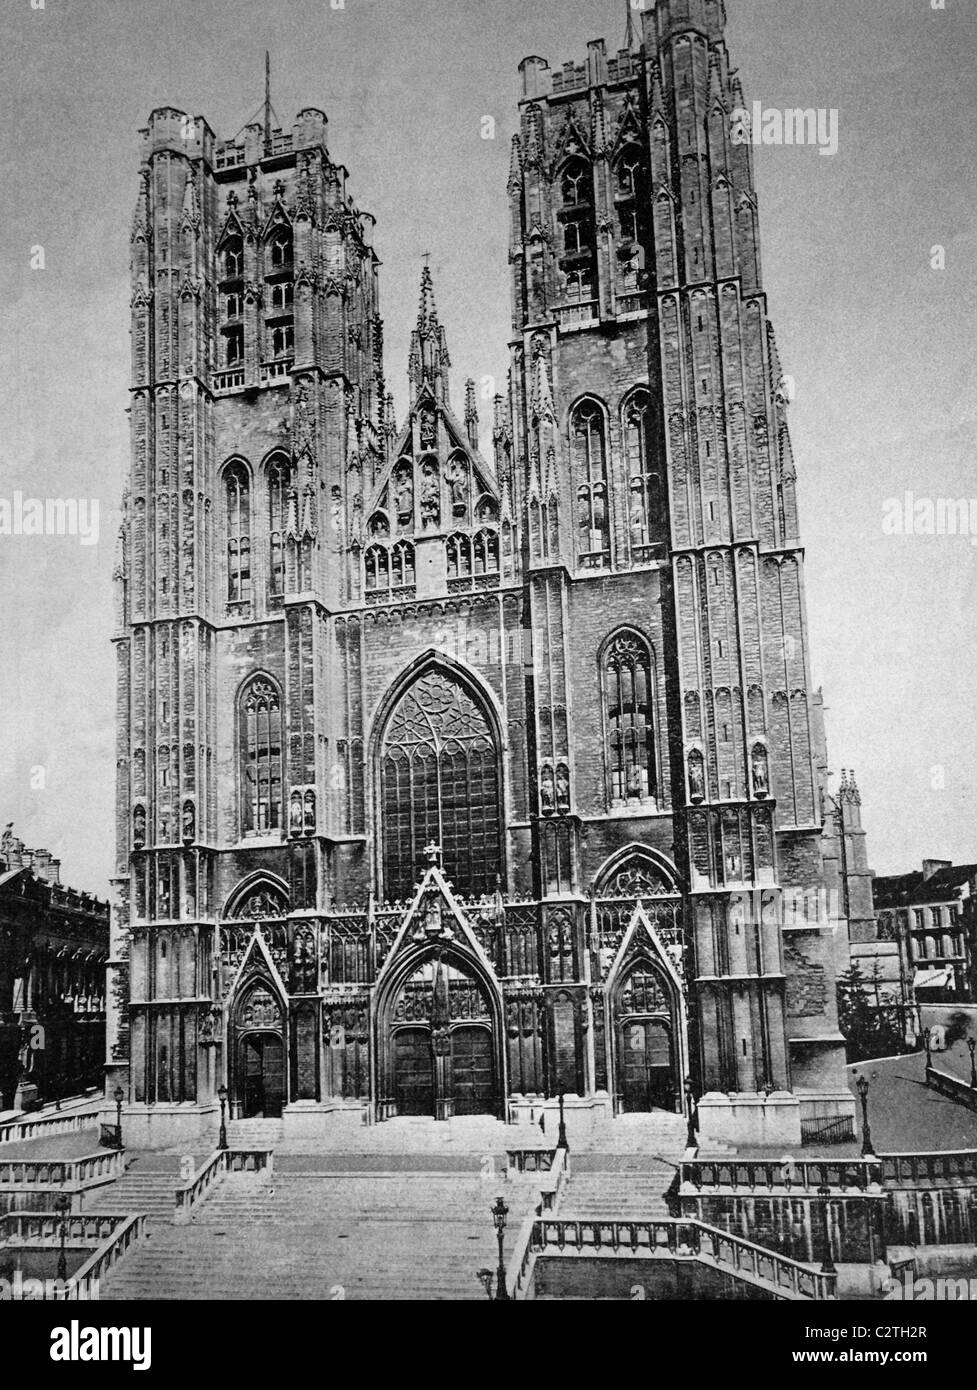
{"type": "Point", "coordinates": [295, 814]}
{"type": "Point", "coordinates": [457, 478]}
{"type": "Point", "coordinates": [189, 822]}
{"type": "Point", "coordinates": [430, 497]}
{"type": "Point", "coordinates": [547, 792]}
{"type": "Point", "coordinates": [562, 789]}
{"type": "Point", "coordinates": [761, 774]}
{"type": "Point", "coordinates": [404, 496]}
{"type": "Point", "coordinates": [428, 428]}
{"type": "Point", "coordinates": [697, 784]}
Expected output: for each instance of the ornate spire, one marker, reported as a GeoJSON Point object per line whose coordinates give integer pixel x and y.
{"type": "Point", "coordinates": [429, 360]}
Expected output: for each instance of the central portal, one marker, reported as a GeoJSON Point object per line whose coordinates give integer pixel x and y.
{"type": "Point", "coordinates": [443, 1045]}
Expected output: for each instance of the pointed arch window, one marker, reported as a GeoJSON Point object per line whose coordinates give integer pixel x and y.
{"type": "Point", "coordinates": [279, 294]}
{"type": "Point", "coordinates": [628, 170]}
{"type": "Point", "coordinates": [440, 783]}
{"type": "Point", "coordinates": [644, 481]}
{"type": "Point", "coordinates": [580, 285]}
{"type": "Point", "coordinates": [628, 719]}
{"type": "Point", "coordinates": [233, 259]}
{"type": "Point", "coordinates": [280, 250]}
{"type": "Point", "coordinates": [588, 436]}
{"type": "Point", "coordinates": [278, 473]}
{"type": "Point", "coordinates": [576, 186]}
{"type": "Point", "coordinates": [261, 756]}
{"type": "Point", "coordinates": [237, 517]}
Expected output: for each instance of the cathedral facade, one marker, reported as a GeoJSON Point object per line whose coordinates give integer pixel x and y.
{"type": "Point", "coordinates": [452, 782]}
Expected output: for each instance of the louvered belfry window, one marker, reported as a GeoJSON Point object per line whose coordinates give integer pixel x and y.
{"type": "Point", "coordinates": [440, 785]}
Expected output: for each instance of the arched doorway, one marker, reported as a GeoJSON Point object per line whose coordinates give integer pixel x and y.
{"type": "Point", "coordinates": [258, 1088]}
{"type": "Point", "coordinates": [440, 782]}
{"type": "Point", "coordinates": [440, 1043]}
{"type": "Point", "coordinates": [648, 1064]}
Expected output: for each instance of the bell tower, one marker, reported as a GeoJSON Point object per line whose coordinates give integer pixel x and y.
{"type": "Point", "coordinates": [658, 495]}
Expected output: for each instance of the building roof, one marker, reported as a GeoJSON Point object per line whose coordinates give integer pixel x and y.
{"type": "Point", "coordinates": [907, 890]}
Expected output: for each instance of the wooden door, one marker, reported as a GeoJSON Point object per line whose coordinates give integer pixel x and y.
{"type": "Point", "coordinates": [263, 1066]}
{"type": "Point", "coordinates": [413, 1072]}
{"type": "Point", "coordinates": [647, 1082]}
{"type": "Point", "coordinates": [472, 1072]}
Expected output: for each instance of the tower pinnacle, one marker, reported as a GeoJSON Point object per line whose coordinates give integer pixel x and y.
{"type": "Point", "coordinates": [429, 360]}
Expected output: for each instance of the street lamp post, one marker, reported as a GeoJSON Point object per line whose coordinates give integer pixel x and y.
{"type": "Point", "coordinates": [690, 1139]}
{"type": "Point", "coordinates": [62, 1206]}
{"type": "Point", "coordinates": [827, 1263]}
{"type": "Point", "coordinates": [972, 1044]}
{"type": "Point", "coordinates": [867, 1150]}
{"type": "Point", "coordinates": [561, 1142]}
{"type": "Point", "coordinates": [499, 1214]}
{"type": "Point", "coordinates": [119, 1098]}
{"type": "Point", "coordinates": [222, 1097]}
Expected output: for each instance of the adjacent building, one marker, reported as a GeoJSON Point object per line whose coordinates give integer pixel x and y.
{"type": "Point", "coordinates": [931, 916]}
{"type": "Point", "coordinates": [53, 952]}
{"type": "Point", "coordinates": [453, 781]}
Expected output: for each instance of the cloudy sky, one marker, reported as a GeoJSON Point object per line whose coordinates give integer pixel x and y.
{"type": "Point", "coordinates": [881, 345]}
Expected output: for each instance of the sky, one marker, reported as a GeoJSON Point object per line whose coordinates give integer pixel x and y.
{"type": "Point", "coordinates": [879, 342]}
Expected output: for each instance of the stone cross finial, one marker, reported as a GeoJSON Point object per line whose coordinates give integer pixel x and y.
{"type": "Point", "coordinates": [432, 853]}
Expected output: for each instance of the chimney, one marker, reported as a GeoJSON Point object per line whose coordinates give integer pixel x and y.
{"type": "Point", "coordinates": [41, 864]}
{"type": "Point", "coordinates": [933, 866]}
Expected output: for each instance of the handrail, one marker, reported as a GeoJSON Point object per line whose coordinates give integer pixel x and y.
{"type": "Point", "coordinates": [923, 1169]}
{"type": "Point", "coordinates": [84, 1283]}
{"type": "Point", "coordinates": [530, 1160]}
{"type": "Point", "coordinates": [39, 1229]}
{"type": "Point", "coordinates": [685, 1240]}
{"type": "Point", "coordinates": [191, 1192]}
{"type": "Point", "coordinates": [18, 1131]}
{"type": "Point", "coordinates": [953, 1087]}
{"type": "Point", "coordinates": [86, 1171]}
{"type": "Point", "coordinates": [220, 1162]}
{"type": "Point", "coordinates": [521, 1261]}
{"type": "Point", "coordinates": [789, 1176]}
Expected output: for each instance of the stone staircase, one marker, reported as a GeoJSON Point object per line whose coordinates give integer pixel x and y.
{"type": "Point", "coordinates": [148, 1185]}
{"type": "Point", "coordinates": [328, 1236]}
{"type": "Point", "coordinates": [635, 1191]}
{"type": "Point", "coordinates": [254, 1134]}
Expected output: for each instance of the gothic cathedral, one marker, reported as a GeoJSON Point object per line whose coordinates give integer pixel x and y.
{"type": "Point", "coordinates": [452, 782]}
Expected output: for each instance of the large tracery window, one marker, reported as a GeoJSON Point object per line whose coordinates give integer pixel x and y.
{"type": "Point", "coordinates": [439, 774]}
{"type": "Point", "coordinates": [237, 502]}
{"type": "Point", "coordinates": [261, 757]}
{"type": "Point", "coordinates": [629, 724]}
{"type": "Point", "coordinates": [589, 441]}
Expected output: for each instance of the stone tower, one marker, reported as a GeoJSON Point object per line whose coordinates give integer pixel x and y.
{"type": "Point", "coordinates": [658, 490]}
{"type": "Point", "coordinates": [452, 784]}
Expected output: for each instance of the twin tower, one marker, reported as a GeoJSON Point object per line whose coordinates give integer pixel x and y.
{"type": "Point", "coordinates": [450, 782]}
